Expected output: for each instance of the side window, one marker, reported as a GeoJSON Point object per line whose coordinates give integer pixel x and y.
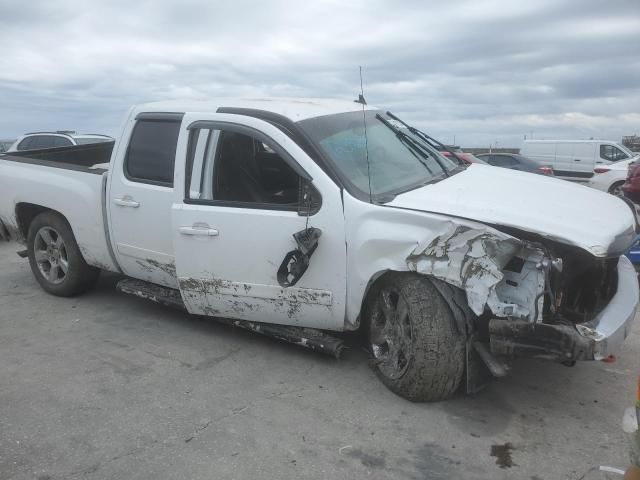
{"type": "Point", "coordinates": [61, 142]}
{"type": "Point", "coordinates": [227, 166]}
{"type": "Point", "coordinates": [611, 153]}
{"type": "Point", "coordinates": [43, 141]}
{"type": "Point", "coordinates": [152, 151]}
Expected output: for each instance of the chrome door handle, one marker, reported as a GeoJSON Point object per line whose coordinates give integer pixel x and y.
{"type": "Point", "coordinates": [199, 231]}
{"type": "Point", "coordinates": [126, 201]}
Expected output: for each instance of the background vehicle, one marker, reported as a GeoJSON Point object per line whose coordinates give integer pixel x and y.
{"type": "Point", "coordinates": [516, 162]}
{"type": "Point", "coordinates": [5, 144]}
{"type": "Point", "coordinates": [467, 158]}
{"type": "Point", "coordinates": [610, 178]}
{"type": "Point", "coordinates": [280, 215]}
{"type": "Point", "coordinates": [62, 138]}
{"type": "Point", "coordinates": [575, 159]}
{"type": "Point", "coordinates": [631, 186]}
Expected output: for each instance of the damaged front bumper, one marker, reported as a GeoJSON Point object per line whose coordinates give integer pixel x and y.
{"type": "Point", "coordinates": [608, 330]}
{"type": "Point", "coordinates": [597, 339]}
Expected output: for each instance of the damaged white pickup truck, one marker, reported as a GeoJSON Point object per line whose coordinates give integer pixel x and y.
{"type": "Point", "coordinates": [298, 218]}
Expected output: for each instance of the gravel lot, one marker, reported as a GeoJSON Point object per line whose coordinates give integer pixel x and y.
{"type": "Point", "coordinates": [110, 386]}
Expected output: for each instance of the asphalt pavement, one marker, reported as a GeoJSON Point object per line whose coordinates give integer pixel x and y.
{"type": "Point", "coordinates": [107, 386]}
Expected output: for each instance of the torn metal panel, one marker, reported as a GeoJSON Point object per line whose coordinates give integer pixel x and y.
{"type": "Point", "coordinates": [475, 259]}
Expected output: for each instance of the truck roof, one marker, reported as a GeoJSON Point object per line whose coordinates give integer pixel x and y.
{"type": "Point", "coordinates": [295, 109]}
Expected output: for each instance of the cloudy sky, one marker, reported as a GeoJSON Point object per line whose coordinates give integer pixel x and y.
{"type": "Point", "coordinates": [482, 71]}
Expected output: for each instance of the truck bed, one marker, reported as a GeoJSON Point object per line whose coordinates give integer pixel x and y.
{"type": "Point", "coordinates": [91, 158]}
{"type": "Point", "coordinates": [65, 181]}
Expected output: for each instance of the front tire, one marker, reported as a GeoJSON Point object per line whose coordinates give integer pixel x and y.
{"type": "Point", "coordinates": [55, 258]}
{"type": "Point", "coordinates": [418, 352]}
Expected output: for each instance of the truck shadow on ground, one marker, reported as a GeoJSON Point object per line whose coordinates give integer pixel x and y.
{"type": "Point", "coordinates": [529, 395]}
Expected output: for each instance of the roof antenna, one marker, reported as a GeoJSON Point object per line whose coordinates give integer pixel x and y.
{"type": "Point", "coordinates": [366, 140]}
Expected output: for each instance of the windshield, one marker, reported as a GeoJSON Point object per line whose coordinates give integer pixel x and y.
{"type": "Point", "coordinates": [626, 150]}
{"type": "Point", "coordinates": [394, 167]}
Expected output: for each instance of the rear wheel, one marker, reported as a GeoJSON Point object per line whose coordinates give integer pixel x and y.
{"type": "Point", "coordinates": [616, 189]}
{"type": "Point", "coordinates": [417, 350]}
{"type": "Point", "coordinates": [55, 258]}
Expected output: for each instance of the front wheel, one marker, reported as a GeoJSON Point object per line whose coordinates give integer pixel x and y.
{"type": "Point", "coordinates": [418, 352]}
{"type": "Point", "coordinates": [55, 258]}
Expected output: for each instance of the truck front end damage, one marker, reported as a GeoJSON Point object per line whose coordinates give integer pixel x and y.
{"type": "Point", "coordinates": [533, 296]}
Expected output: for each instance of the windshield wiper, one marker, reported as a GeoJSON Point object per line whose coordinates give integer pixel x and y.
{"type": "Point", "coordinates": [413, 146]}
{"type": "Point", "coordinates": [426, 138]}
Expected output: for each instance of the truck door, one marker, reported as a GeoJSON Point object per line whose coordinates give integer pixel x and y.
{"type": "Point", "coordinates": [141, 195]}
{"type": "Point", "coordinates": [238, 205]}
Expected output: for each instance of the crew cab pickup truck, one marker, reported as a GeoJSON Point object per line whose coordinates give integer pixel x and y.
{"type": "Point", "coordinates": [304, 218]}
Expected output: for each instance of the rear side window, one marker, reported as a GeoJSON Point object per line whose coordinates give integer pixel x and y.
{"type": "Point", "coordinates": [152, 152]}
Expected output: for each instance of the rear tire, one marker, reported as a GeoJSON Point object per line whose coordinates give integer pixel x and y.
{"type": "Point", "coordinates": [616, 189]}
{"type": "Point", "coordinates": [55, 258]}
{"type": "Point", "coordinates": [418, 351]}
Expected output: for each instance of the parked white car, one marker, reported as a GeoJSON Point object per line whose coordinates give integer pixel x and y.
{"type": "Point", "coordinates": [42, 140]}
{"type": "Point", "coordinates": [610, 178]}
{"type": "Point", "coordinates": [289, 218]}
{"type": "Point", "coordinates": [576, 159]}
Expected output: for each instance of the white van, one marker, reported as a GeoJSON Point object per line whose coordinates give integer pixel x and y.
{"type": "Point", "coordinates": [575, 159]}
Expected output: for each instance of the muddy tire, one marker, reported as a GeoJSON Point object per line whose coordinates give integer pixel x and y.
{"type": "Point", "coordinates": [55, 259]}
{"type": "Point", "coordinates": [418, 351]}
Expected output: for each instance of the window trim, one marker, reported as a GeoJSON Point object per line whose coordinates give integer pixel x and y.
{"type": "Point", "coordinates": [260, 136]}
{"type": "Point", "coordinates": [153, 118]}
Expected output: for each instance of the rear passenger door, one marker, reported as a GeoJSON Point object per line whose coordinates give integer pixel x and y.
{"type": "Point", "coordinates": [238, 204]}
{"type": "Point", "coordinates": [141, 195]}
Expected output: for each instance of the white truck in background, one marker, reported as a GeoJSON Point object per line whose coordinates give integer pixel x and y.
{"type": "Point", "coordinates": [298, 218]}
{"type": "Point", "coordinates": [583, 161]}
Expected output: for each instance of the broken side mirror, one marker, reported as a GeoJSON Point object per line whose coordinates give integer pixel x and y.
{"type": "Point", "coordinates": [296, 262]}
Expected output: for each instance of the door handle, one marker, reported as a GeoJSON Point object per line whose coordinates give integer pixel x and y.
{"type": "Point", "coordinates": [199, 231]}
{"type": "Point", "coordinates": [576, 160]}
{"type": "Point", "coordinates": [126, 201]}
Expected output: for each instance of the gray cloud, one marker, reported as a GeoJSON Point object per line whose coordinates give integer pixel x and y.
{"type": "Point", "coordinates": [483, 71]}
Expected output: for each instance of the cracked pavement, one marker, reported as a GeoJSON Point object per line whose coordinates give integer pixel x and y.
{"type": "Point", "coordinates": [111, 386]}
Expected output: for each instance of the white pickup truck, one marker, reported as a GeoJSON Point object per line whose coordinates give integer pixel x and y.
{"type": "Point", "coordinates": [298, 218]}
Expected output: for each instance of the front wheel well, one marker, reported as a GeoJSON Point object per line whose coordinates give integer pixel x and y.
{"type": "Point", "coordinates": [454, 296]}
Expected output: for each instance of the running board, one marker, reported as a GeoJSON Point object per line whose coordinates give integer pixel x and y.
{"type": "Point", "coordinates": [169, 297]}
{"type": "Point", "coordinates": [310, 338]}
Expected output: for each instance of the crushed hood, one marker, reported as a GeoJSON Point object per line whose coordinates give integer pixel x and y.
{"type": "Point", "coordinates": [556, 209]}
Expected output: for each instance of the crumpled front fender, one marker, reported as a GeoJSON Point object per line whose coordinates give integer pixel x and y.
{"type": "Point", "coordinates": [474, 259]}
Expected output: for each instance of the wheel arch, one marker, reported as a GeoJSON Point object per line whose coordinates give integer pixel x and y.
{"type": "Point", "coordinates": [454, 296]}
{"type": "Point", "coordinates": [27, 212]}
